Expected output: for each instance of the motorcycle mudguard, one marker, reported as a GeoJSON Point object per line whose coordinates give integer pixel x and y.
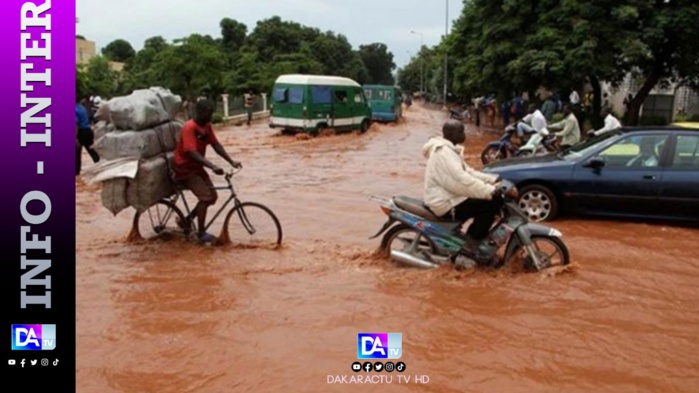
{"type": "Point", "coordinates": [498, 145]}
{"type": "Point", "coordinates": [542, 230]}
{"type": "Point", "coordinates": [385, 226]}
{"type": "Point", "coordinates": [534, 230]}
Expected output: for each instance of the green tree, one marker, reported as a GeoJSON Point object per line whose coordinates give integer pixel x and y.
{"type": "Point", "coordinates": [233, 35]}
{"type": "Point", "coordinates": [515, 45]}
{"type": "Point", "coordinates": [119, 50]}
{"type": "Point", "coordinates": [664, 46]}
{"type": "Point", "coordinates": [192, 66]}
{"type": "Point", "coordinates": [410, 77]}
{"type": "Point", "coordinates": [379, 63]}
{"type": "Point", "coordinates": [140, 72]}
{"type": "Point", "coordinates": [275, 36]}
{"type": "Point", "coordinates": [336, 55]}
{"type": "Point", "coordinates": [101, 79]}
{"type": "Point", "coordinates": [236, 62]}
{"type": "Point", "coordinates": [82, 87]}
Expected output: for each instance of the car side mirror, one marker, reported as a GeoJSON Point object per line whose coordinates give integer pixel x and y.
{"type": "Point", "coordinates": [595, 163]}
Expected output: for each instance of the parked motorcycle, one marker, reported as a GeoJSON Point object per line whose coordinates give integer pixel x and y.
{"type": "Point", "coordinates": [504, 148]}
{"type": "Point", "coordinates": [426, 241]}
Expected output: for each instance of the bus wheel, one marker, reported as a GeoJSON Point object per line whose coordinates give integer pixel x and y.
{"type": "Point", "coordinates": [365, 126]}
{"type": "Point", "coordinates": [320, 128]}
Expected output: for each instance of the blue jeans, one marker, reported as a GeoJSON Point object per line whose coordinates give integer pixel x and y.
{"type": "Point", "coordinates": [523, 128]}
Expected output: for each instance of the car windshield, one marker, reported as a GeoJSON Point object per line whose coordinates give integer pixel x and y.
{"type": "Point", "coordinates": [582, 148]}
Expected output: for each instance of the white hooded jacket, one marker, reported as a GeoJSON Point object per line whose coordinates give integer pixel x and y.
{"type": "Point", "coordinates": [449, 180]}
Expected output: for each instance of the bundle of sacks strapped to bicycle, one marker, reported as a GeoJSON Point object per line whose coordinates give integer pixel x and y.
{"type": "Point", "coordinates": [136, 137]}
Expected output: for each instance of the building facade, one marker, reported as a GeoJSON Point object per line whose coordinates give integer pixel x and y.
{"type": "Point", "coordinates": [666, 102]}
{"type": "Point", "coordinates": [85, 50]}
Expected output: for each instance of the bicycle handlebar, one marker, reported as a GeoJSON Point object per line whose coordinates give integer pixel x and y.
{"type": "Point", "coordinates": [229, 175]}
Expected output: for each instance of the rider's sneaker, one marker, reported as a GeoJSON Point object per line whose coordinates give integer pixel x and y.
{"type": "Point", "coordinates": [207, 238]}
{"type": "Point", "coordinates": [481, 251]}
{"type": "Point", "coordinates": [464, 262]}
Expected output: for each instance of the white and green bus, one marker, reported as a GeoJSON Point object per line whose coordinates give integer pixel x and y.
{"type": "Point", "coordinates": [312, 103]}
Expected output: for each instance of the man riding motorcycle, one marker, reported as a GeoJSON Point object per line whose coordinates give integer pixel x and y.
{"type": "Point", "coordinates": [533, 123]}
{"type": "Point", "coordinates": [456, 191]}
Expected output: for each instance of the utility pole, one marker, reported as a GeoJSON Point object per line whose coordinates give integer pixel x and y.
{"type": "Point", "coordinates": [422, 61]}
{"type": "Point", "coordinates": [446, 33]}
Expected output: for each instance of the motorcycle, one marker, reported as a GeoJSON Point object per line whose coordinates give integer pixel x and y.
{"type": "Point", "coordinates": [436, 241]}
{"type": "Point", "coordinates": [459, 115]}
{"type": "Point", "coordinates": [504, 148]}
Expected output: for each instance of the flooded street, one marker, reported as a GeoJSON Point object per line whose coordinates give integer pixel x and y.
{"type": "Point", "coordinates": [171, 316]}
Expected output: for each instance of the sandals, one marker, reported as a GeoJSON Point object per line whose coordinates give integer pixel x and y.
{"type": "Point", "coordinates": [207, 238]}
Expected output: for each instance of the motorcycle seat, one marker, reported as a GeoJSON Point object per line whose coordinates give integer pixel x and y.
{"type": "Point", "coordinates": [416, 207]}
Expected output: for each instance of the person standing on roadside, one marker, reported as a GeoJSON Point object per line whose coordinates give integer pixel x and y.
{"type": "Point", "coordinates": [548, 108]}
{"type": "Point", "coordinates": [249, 102]}
{"type": "Point", "coordinates": [84, 135]}
{"type": "Point", "coordinates": [574, 98]}
{"type": "Point", "coordinates": [95, 102]}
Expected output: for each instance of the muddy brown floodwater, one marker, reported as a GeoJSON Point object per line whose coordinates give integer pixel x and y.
{"type": "Point", "coordinates": [171, 316]}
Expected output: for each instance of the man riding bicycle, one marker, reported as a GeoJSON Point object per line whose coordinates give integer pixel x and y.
{"type": "Point", "coordinates": [189, 162]}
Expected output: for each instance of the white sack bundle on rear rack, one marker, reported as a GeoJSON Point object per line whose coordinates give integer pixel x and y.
{"type": "Point", "coordinates": [140, 110]}
{"type": "Point", "coordinates": [132, 182]}
{"type": "Point", "coordinates": [102, 128]}
{"type": "Point", "coordinates": [142, 144]}
{"type": "Point", "coordinates": [152, 183]}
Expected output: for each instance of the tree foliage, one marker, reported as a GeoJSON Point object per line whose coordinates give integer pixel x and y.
{"type": "Point", "coordinates": [507, 46]}
{"type": "Point", "coordinates": [98, 77]}
{"type": "Point", "coordinates": [429, 63]}
{"type": "Point", "coordinates": [119, 50]}
{"type": "Point", "coordinates": [233, 35]}
{"type": "Point", "coordinates": [239, 61]}
{"type": "Point", "coordinates": [379, 63]}
{"type": "Point", "coordinates": [192, 66]}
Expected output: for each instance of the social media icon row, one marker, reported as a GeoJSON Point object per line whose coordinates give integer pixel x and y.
{"type": "Point", "coordinates": [33, 362]}
{"type": "Point", "coordinates": [378, 367]}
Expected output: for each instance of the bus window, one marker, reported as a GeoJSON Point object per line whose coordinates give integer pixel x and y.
{"type": "Point", "coordinates": [296, 95]}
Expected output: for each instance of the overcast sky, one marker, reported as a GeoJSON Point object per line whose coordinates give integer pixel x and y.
{"type": "Point", "coordinates": [361, 21]}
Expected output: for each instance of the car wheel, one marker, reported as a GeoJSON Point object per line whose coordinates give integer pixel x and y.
{"type": "Point", "coordinates": [538, 202]}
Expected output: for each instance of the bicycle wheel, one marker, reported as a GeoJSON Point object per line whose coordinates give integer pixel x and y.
{"type": "Point", "coordinates": [159, 219]}
{"type": "Point", "coordinates": [253, 225]}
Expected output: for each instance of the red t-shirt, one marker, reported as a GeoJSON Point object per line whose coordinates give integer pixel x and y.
{"type": "Point", "coordinates": [192, 138]}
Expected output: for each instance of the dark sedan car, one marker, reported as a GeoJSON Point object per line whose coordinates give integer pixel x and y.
{"type": "Point", "coordinates": [644, 172]}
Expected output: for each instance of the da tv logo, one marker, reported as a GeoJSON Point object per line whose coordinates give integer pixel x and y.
{"type": "Point", "coordinates": [33, 337]}
{"type": "Point", "coordinates": [379, 345]}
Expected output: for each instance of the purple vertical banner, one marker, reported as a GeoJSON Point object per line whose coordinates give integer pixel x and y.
{"type": "Point", "coordinates": [38, 202]}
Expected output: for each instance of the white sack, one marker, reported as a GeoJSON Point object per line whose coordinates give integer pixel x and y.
{"type": "Point", "coordinates": [152, 183]}
{"type": "Point", "coordinates": [114, 195]}
{"type": "Point", "coordinates": [102, 128]}
{"type": "Point", "coordinates": [142, 109]}
{"type": "Point", "coordinates": [142, 144]}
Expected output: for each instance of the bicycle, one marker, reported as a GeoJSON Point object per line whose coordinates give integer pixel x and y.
{"type": "Point", "coordinates": [161, 213]}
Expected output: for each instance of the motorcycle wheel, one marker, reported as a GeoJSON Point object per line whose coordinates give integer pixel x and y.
{"type": "Point", "coordinates": [546, 258]}
{"type": "Point", "coordinates": [492, 154]}
{"type": "Point", "coordinates": [405, 234]}
{"type": "Point", "coordinates": [524, 153]}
